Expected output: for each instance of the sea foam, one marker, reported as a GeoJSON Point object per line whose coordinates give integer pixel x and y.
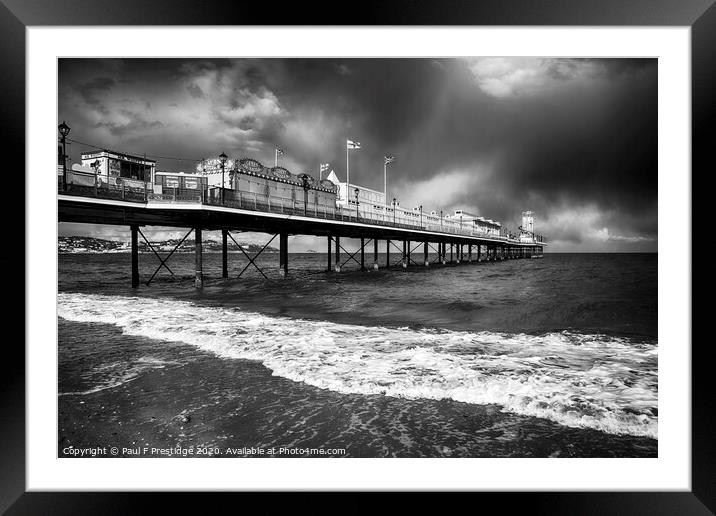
{"type": "Point", "coordinates": [577, 380]}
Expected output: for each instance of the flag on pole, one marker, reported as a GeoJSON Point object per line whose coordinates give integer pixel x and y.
{"type": "Point", "coordinates": [324, 166]}
{"type": "Point", "coordinates": [389, 159]}
{"type": "Point", "coordinates": [350, 144]}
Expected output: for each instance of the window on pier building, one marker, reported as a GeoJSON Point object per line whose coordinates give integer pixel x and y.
{"type": "Point", "coordinates": [134, 170]}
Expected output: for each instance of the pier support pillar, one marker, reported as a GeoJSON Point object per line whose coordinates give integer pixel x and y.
{"type": "Point", "coordinates": [408, 245]}
{"type": "Point", "coordinates": [375, 254]}
{"type": "Point", "coordinates": [469, 253]}
{"type": "Point", "coordinates": [135, 257]}
{"type": "Point", "coordinates": [338, 254]}
{"type": "Point", "coordinates": [329, 239]}
{"type": "Point", "coordinates": [387, 253]}
{"type": "Point", "coordinates": [442, 252]}
{"type": "Point", "coordinates": [451, 246]}
{"type": "Point", "coordinates": [425, 254]}
{"type": "Point", "coordinates": [198, 269]}
{"type": "Point", "coordinates": [224, 254]}
{"type": "Point", "coordinates": [283, 254]}
{"type": "Point", "coordinates": [405, 254]}
{"type": "Point", "coordinates": [362, 254]}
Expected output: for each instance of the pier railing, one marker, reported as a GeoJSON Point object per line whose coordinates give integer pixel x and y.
{"type": "Point", "coordinates": [83, 184]}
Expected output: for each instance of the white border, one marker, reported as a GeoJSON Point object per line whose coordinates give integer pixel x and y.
{"type": "Point", "coordinates": [671, 471]}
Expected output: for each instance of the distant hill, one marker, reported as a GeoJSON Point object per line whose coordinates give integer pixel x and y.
{"type": "Point", "coordinates": [76, 244]}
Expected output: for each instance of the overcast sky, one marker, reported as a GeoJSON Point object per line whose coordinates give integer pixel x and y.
{"type": "Point", "coordinates": [574, 140]}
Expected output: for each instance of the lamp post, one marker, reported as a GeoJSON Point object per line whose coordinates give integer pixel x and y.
{"type": "Point", "coordinates": [64, 131]}
{"type": "Point", "coordinates": [306, 186]}
{"type": "Point", "coordinates": [222, 158]}
{"type": "Point", "coordinates": [394, 211]}
{"type": "Point", "coordinates": [441, 218]}
{"type": "Point", "coordinates": [421, 215]}
{"type": "Point", "coordinates": [357, 191]}
{"type": "Point", "coordinates": [95, 166]}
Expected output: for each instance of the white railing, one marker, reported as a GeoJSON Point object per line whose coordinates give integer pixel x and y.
{"type": "Point", "coordinates": [383, 216]}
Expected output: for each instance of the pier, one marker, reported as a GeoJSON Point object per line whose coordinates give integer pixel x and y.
{"type": "Point", "coordinates": [406, 242]}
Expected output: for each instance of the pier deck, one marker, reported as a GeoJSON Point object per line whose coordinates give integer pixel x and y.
{"type": "Point", "coordinates": [217, 210]}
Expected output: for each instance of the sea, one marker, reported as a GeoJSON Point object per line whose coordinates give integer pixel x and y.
{"type": "Point", "coordinates": [550, 357]}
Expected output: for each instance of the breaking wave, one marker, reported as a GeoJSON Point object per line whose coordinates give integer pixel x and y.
{"type": "Point", "coordinates": [578, 380]}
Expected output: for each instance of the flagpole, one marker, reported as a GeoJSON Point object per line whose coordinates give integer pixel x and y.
{"type": "Point", "coordinates": [348, 171]}
{"type": "Point", "coordinates": [385, 183]}
{"type": "Point", "coordinates": [275, 161]}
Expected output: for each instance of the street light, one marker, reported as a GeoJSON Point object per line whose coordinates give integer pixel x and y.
{"type": "Point", "coordinates": [421, 215]}
{"type": "Point", "coordinates": [357, 191]}
{"type": "Point", "coordinates": [64, 131]}
{"type": "Point", "coordinates": [222, 158]}
{"type": "Point", "coordinates": [306, 186]}
{"type": "Point", "coordinates": [393, 210]}
{"type": "Point", "coordinates": [95, 166]}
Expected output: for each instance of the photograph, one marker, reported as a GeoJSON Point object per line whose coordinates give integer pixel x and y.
{"type": "Point", "coordinates": [384, 257]}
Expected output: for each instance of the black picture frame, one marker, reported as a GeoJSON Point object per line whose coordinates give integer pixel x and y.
{"type": "Point", "coordinates": [16, 15]}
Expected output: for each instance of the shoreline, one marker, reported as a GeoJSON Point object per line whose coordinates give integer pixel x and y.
{"type": "Point", "coordinates": [196, 399]}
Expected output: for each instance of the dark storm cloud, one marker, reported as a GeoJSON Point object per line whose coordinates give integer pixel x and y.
{"type": "Point", "coordinates": [89, 90]}
{"type": "Point", "coordinates": [575, 140]}
{"type": "Point", "coordinates": [134, 122]}
{"type": "Point", "coordinates": [195, 91]}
